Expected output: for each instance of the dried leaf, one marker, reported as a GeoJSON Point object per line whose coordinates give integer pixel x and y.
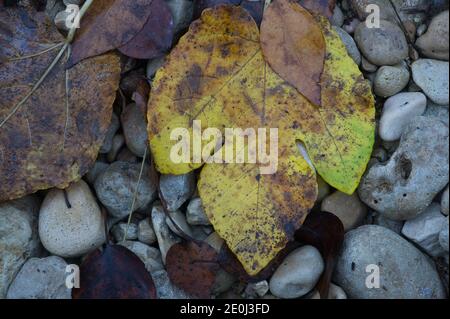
{"type": "Point", "coordinates": [193, 267]}
{"type": "Point", "coordinates": [114, 273]}
{"type": "Point", "coordinates": [108, 25]}
{"type": "Point", "coordinates": [52, 138]}
{"type": "Point", "coordinates": [217, 75]}
{"type": "Point", "coordinates": [323, 7]}
{"type": "Point", "coordinates": [325, 232]}
{"type": "Point", "coordinates": [155, 37]}
{"type": "Point", "coordinates": [294, 47]}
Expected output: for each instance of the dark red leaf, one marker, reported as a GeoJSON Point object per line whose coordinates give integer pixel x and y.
{"type": "Point", "coordinates": [114, 273]}
{"type": "Point", "coordinates": [156, 36]}
{"type": "Point", "coordinates": [193, 267]}
{"type": "Point", "coordinates": [108, 25]}
{"type": "Point", "coordinates": [323, 7]}
{"type": "Point", "coordinates": [325, 232]}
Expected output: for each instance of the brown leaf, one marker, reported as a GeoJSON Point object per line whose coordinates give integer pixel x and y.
{"type": "Point", "coordinates": [53, 137]}
{"type": "Point", "coordinates": [140, 96]}
{"type": "Point", "coordinates": [325, 232]}
{"type": "Point", "coordinates": [108, 25]}
{"type": "Point", "coordinates": [193, 267]}
{"type": "Point", "coordinates": [114, 273]}
{"type": "Point", "coordinates": [156, 35]}
{"type": "Point", "coordinates": [323, 7]}
{"type": "Point", "coordinates": [293, 44]}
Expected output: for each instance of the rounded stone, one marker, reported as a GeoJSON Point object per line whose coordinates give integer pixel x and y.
{"type": "Point", "coordinates": [432, 76]}
{"type": "Point", "coordinates": [404, 272]}
{"type": "Point", "coordinates": [389, 80]}
{"type": "Point", "coordinates": [434, 43]}
{"type": "Point", "coordinates": [135, 129]}
{"type": "Point", "coordinates": [298, 274]}
{"type": "Point", "coordinates": [72, 225]}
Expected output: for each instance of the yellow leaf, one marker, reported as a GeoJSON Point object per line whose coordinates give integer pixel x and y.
{"type": "Point", "coordinates": [216, 77]}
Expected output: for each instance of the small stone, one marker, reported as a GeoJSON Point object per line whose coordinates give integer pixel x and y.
{"type": "Point", "coordinates": [443, 236]}
{"type": "Point", "coordinates": [119, 230]}
{"type": "Point", "coordinates": [176, 189]}
{"type": "Point", "coordinates": [434, 43]}
{"type": "Point", "coordinates": [134, 127]}
{"type": "Point", "coordinates": [350, 210]}
{"type": "Point", "coordinates": [117, 144]}
{"type": "Point", "coordinates": [112, 129]}
{"type": "Point", "coordinates": [350, 44]}
{"type": "Point", "coordinates": [95, 171]}
{"type": "Point", "coordinates": [145, 232]}
{"type": "Point", "coordinates": [421, 30]}
{"type": "Point", "coordinates": [41, 279]}
{"type": "Point", "coordinates": [398, 112]}
{"type": "Point", "coordinates": [336, 292]}
{"type": "Point", "coordinates": [394, 225]}
{"type": "Point", "coordinates": [338, 17]}
{"type": "Point", "coordinates": [125, 155]}
{"type": "Point", "coordinates": [368, 67]}
{"type": "Point", "coordinates": [61, 19]}
{"type": "Point", "coordinates": [164, 287]}
{"type": "Point", "coordinates": [71, 225]}
{"type": "Point", "coordinates": [177, 223]}
{"type": "Point", "coordinates": [351, 25]}
{"type": "Point", "coordinates": [424, 230]}
{"type": "Point", "coordinates": [404, 186]}
{"type": "Point", "coordinates": [182, 12]}
{"type": "Point", "coordinates": [115, 188]}
{"type": "Point", "coordinates": [150, 256]}
{"type": "Point", "coordinates": [18, 237]}
{"type": "Point", "coordinates": [154, 65]}
{"type": "Point", "coordinates": [195, 214]}
{"type": "Point", "coordinates": [432, 77]}
{"type": "Point", "coordinates": [164, 235]}
{"type": "Point", "coordinates": [405, 273]}
{"type": "Point", "coordinates": [382, 46]}
{"type": "Point", "coordinates": [257, 289]}
{"type": "Point", "coordinates": [444, 202]}
{"type": "Point", "coordinates": [390, 80]}
{"type": "Point", "coordinates": [215, 241]}
{"type": "Point", "coordinates": [440, 112]}
{"type": "Point", "coordinates": [298, 274]}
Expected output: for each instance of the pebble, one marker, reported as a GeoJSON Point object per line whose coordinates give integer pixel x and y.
{"type": "Point", "coordinates": [324, 189]}
{"type": "Point", "coordinates": [112, 129]}
{"type": "Point", "coordinates": [405, 273]}
{"type": "Point", "coordinates": [424, 230]}
{"type": "Point", "coordinates": [72, 228]}
{"type": "Point", "coordinates": [367, 66]}
{"type": "Point", "coordinates": [432, 77]}
{"type": "Point", "coordinates": [404, 186]}
{"type": "Point", "coordinates": [98, 168]}
{"type": "Point", "coordinates": [134, 127]}
{"type": "Point", "coordinates": [444, 202]}
{"type": "Point", "coordinates": [43, 278]}
{"type": "Point", "coordinates": [117, 144]}
{"type": "Point", "coordinates": [394, 225]}
{"type": "Point", "coordinates": [338, 17]}
{"type": "Point", "coordinates": [398, 111]}
{"type": "Point", "coordinates": [298, 274]}
{"type": "Point", "coordinates": [389, 80]}
{"type": "Point", "coordinates": [351, 25]}
{"type": "Point", "coordinates": [18, 237]}
{"type": "Point", "coordinates": [145, 232]}
{"type": "Point", "coordinates": [176, 189]}
{"type": "Point", "coordinates": [257, 289]}
{"type": "Point", "coordinates": [125, 155]}
{"type": "Point", "coordinates": [165, 289]}
{"type": "Point", "coordinates": [434, 43]}
{"type": "Point", "coordinates": [443, 236]}
{"type": "Point", "coordinates": [195, 214]}
{"type": "Point", "coordinates": [116, 185]}
{"type": "Point", "coordinates": [182, 12]}
{"type": "Point", "coordinates": [164, 235]}
{"type": "Point", "coordinates": [150, 256]}
{"type": "Point", "coordinates": [350, 44]}
{"type": "Point", "coordinates": [350, 210]}
{"type": "Point", "coordinates": [118, 231]}
{"type": "Point", "coordinates": [336, 292]}
{"type": "Point", "coordinates": [178, 224]}
{"type": "Point", "coordinates": [382, 46]}
{"type": "Point", "coordinates": [440, 112]}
